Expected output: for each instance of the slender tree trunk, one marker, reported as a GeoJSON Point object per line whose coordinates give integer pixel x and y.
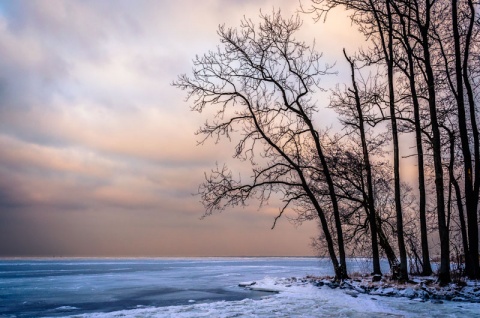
{"type": "Point", "coordinates": [406, 34]}
{"type": "Point", "coordinates": [330, 246]}
{"type": "Point", "coordinates": [370, 198]}
{"type": "Point", "coordinates": [426, 266]}
{"type": "Point", "coordinates": [342, 268]}
{"type": "Point", "coordinates": [461, 216]}
{"type": "Point", "coordinates": [444, 271]}
{"type": "Point", "coordinates": [467, 156]}
{"type": "Point", "coordinates": [473, 270]}
{"type": "Point", "coordinates": [458, 195]}
{"type": "Point", "coordinates": [386, 246]}
{"type": "Point", "coordinates": [403, 270]}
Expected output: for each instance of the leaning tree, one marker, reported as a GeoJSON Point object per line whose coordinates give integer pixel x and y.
{"type": "Point", "coordinates": [261, 83]}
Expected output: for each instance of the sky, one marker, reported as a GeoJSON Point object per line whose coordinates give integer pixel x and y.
{"type": "Point", "coordinates": [98, 155]}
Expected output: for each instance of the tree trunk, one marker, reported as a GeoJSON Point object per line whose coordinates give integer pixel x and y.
{"type": "Point", "coordinates": [368, 171]}
{"type": "Point", "coordinates": [473, 270]}
{"type": "Point", "coordinates": [458, 195]}
{"type": "Point", "coordinates": [386, 247]}
{"type": "Point", "coordinates": [342, 268]}
{"type": "Point", "coordinates": [444, 271]}
{"type": "Point", "coordinates": [467, 156]}
{"type": "Point", "coordinates": [403, 270]}
{"type": "Point", "coordinates": [330, 246]}
{"type": "Point", "coordinates": [406, 34]}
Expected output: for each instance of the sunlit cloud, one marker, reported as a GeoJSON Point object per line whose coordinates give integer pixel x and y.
{"type": "Point", "coordinates": [99, 148]}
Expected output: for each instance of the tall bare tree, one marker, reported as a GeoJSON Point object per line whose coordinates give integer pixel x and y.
{"type": "Point", "coordinates": [353, 110]}
{"type": "Point", "coordinates": [456, 34]}
{"type": "Point", "coordinates": [262, 80]}
{"type": "Point", "coordinates": [407, 35]}
{"type": "Point", "coordinates": [467, 118]}
{"type": "Point", "coordinates": [375, 20]}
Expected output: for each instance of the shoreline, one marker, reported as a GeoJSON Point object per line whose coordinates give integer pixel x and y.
{"type": "Point", "coordinates": [418, 288]}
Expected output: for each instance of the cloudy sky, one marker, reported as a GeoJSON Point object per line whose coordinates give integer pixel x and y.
{"type": "Point", "coordinates": [98, 155]}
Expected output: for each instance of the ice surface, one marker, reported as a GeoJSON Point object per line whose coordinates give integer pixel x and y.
{"type": "Point", "coordinates": [29, 288]}
{"type": "Point", "coordinates": [199, 288]}
{"type": "Point", "coordinates": [299, 298]}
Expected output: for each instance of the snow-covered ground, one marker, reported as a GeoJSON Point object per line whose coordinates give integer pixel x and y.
{"type": "Point", "coordinates": [304, 298]}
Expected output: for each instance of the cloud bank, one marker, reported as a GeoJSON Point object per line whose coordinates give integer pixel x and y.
{"type": "Point", "coordinates": [98, 153]}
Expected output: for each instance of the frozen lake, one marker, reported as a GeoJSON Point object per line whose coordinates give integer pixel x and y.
{"type": "Point", "coordinates": [70, 286]}
{"type": "Point", "coordinates": [190, 287]}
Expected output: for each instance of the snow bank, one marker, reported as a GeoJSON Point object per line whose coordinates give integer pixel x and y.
{"type": "Point", "coordinates": [419, 288]}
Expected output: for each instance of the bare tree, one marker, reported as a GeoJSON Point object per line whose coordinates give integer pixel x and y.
{"type": "Point", "coordinates": [353, 111]}
{"type": "Point", "coordinates": [375, 20]}
{"type": "Point", "coordinates": [467, 119]}
{"type": "Point", "coordinates": [263, 81]}
{"type": "Point", "coordinates": [408, 63]}
{"type": "Point", "coordinates": [348, 170]}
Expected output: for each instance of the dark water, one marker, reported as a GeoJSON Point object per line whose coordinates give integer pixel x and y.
{"type": "Point", "coordinates": [32, 288]}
